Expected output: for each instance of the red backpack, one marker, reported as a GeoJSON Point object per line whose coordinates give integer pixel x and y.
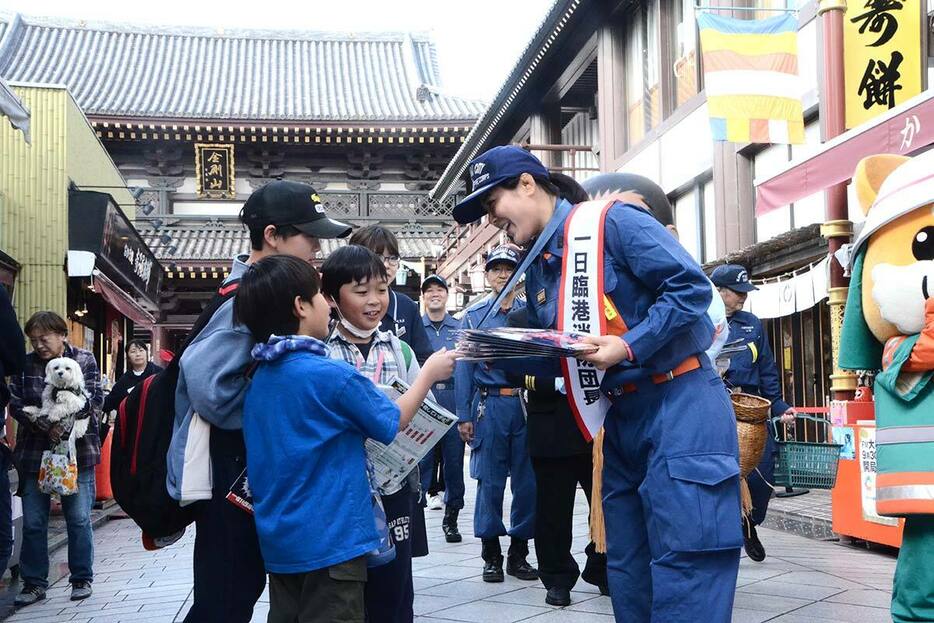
{"type": "Point", "coordinates": [142, 434]}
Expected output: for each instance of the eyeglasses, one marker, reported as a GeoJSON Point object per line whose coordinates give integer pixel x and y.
{"type": "Point", "coordinates": [392, 260]}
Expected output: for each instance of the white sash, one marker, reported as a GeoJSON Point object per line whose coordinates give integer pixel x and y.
{"type": "Point", "coordinates": [580, 309]}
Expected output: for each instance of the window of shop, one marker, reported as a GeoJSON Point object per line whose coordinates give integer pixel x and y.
{"type": "Point", "coordinates": [684, 44]}
{"type": "Point", "coordinates": [696, 220]}
{"type": "Point", "coordinates": [643, 84]}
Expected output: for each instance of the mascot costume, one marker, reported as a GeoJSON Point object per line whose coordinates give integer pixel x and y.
{"type": "Point", "coordinates": [889, 326]}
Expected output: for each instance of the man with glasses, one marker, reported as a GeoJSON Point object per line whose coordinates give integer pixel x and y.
{"type": "Point", "coordinates": [490, 419]}
{"type": "Point", "coordinates": [48, 334]}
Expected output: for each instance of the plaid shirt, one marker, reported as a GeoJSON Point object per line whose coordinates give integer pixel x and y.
{"type": "Point", "coordinates": [379, 366]}
{"type": "Point", "coordinates": [32, 439]}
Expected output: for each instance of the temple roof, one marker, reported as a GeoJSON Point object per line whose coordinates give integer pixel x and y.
{"type": "Point", "coordinates": [178, 73]}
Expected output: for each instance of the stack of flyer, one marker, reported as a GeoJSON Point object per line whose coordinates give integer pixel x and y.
{"type": "Point", "coordinates": [512, 343]}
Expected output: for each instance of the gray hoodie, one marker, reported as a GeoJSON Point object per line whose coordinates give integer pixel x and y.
{"type": "Point", "coordinates": [211, 384]}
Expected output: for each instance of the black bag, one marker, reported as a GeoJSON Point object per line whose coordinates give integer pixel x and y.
{"type": "Point", "coordinates": [142, 434]}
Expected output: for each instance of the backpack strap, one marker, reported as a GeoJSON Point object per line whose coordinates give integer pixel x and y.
{"type": "Point", "coordinates": [406, 354]}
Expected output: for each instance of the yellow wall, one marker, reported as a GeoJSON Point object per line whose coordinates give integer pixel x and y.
{"type": "Point", "coordinates": [34, 188]}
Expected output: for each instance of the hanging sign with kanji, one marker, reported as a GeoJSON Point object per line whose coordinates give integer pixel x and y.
{"type": "Point", "coordinates": [214, 167]}
{"type": "Point", "coordinates": [882, 56]}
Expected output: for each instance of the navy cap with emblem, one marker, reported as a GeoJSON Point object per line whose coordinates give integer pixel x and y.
{"type": "Point", "coordinates": [284, 202]}
{"type": "Point", "coordinates": [503, 253]}
{"type": "Point", "coordinates": [434, 279]}
{"type": "Point", "coordinates": [732, 276]}
{"type": "Point", "coordinates": [488, 170]}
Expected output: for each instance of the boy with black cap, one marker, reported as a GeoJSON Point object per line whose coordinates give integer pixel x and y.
{"type": "Point", "coordinates": [752, 371]}
{"type": "Point", "coordinates": [207, 453]}
{"type": "Point", "coordinates": [441, 328]}
{"type": "Point", "coordinates": [490, 419]}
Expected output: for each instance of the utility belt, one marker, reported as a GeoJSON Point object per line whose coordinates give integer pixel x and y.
{"type": "Point", "coordinates": [688, 365]}
{"type": "Point", "coordinates": [491, 390]}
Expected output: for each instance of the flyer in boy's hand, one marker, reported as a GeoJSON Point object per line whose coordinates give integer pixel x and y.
{"type": "Point", "coordinates": [510, 343]}
{"type": "Point", "coordinates": [393, 463]}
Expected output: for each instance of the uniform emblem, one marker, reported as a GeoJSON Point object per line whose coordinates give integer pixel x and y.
{"type": "Point", "coordinates": [540, 297]}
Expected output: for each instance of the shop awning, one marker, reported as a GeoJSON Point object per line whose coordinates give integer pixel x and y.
{"type": "Point", "coordinates": [97, 225]}
{"type": "Point", "coordinates": [903, 130]}
{"type": "Point", "coordinates": [12, 107]}
{"type": "Point", "coordinates": [121, 301]}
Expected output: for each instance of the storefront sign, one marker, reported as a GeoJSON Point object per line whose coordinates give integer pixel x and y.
{"type": "Point", "coordinates": [867, 477]}
{"type": "Point", "coordinates": [98, 226]}
{"type": "Point", "coordinates": [214, 165]}
{"type": "Point", "coordinates": [882, 52]}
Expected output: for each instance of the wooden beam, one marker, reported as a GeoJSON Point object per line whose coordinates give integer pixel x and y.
{"type": "Point", "coordinates": [611, 100]}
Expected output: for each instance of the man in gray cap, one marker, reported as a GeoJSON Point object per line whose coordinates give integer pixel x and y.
{"type": "Point", "coordinates": [753, 371]}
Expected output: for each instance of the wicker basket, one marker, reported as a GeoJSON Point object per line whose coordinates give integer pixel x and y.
{"type": "Point", "coordinates": [752, 439]}
{"type": "Point", "coordinates": [749, 408]}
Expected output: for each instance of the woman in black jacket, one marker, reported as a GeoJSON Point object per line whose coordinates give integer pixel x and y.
{"type": "Point", "coordinates": [139, 368]}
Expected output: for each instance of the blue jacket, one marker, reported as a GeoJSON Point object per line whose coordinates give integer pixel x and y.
{"type": "Point", "coordinates": [445, 337]}
{"type": "Point", "coordinates": [754, 369]}
{"type": "Point", "coordinates": [402, 320]}
{"type": "Point", "coordinates": [659, 290]}
{"type": "Point", "coordinates": [469, 376]}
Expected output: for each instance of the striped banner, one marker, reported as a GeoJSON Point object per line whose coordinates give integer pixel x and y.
{"type": "Point", "coordinates": [751, 79]}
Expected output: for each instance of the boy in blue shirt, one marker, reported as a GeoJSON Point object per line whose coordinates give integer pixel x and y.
{"type": "Point", "coordinates": [305, 420]}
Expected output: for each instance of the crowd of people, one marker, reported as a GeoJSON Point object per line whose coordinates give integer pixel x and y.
{"type": "Point", "coordinates": [284, 382]}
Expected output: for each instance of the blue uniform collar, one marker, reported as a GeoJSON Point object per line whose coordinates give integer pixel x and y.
{"type": "Point", "coordinates": [447, 322]}
{"type": "Point", "coordinates": [555, 244]}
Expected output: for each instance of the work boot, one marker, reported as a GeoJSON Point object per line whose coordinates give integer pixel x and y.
{"type": "Point", "coordinates": [516, 564]}
{"type": "Point", "coordinates": [492, 561]}
{"type": "Point", "coordinates": [751, 542]}
{"type": "Point", "coordinates": [558, 597]}
{"type": "Point", "coordinates": [449, 526]}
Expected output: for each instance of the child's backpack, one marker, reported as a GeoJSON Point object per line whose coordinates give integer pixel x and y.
{"type": "Point", "coordinates": [142, 434]}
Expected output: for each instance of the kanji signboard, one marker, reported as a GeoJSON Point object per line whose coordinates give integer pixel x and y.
{"type": "Point", "coordinates": [882, 51]}
{"type": "Point", "coordinates": [214, 165]}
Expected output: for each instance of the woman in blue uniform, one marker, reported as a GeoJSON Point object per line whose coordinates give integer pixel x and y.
{"type": "Point", "coordinates": [671, 476]}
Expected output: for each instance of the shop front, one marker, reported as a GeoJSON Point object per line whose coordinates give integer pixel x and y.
{"type": "Point", "coordinates": [113, 277]}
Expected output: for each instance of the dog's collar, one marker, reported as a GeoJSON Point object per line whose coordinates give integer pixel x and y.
{"type": "Point", "coordinates": [74, 390]}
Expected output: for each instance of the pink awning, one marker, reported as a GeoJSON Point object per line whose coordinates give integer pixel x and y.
{"type": "Point", "coordinates": [121, 301]}
{"type": "Point", "coordinates": [903, 130]}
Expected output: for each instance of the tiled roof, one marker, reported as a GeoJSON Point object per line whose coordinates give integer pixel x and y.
{"type": "Point", "coordinates": [219, 242]}
{"type": "Point", "coordinates": [192, 73]}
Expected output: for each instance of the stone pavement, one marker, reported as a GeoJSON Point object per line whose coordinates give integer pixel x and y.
{"type": "Point", "coordinates": [802, 580]}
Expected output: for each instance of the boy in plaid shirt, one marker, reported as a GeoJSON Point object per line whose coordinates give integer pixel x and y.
{"type": "Point", "coordinates": [47, 333]}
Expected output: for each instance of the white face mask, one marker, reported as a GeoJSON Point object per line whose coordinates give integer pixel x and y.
{"type": "Point", "coordinates": [357, 331]}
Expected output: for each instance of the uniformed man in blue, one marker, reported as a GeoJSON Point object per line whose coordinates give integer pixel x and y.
{"type": "Point", "coordinates": [752, 371]}
{"type": "Point", "coordinates": [441, 328]}
{"type": "Point", "coordinates": [671, 471]}
{"type": "Point", "coordinates": [490, 419]}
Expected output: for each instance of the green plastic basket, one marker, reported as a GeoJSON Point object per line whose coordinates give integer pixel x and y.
{"type": "Point", "coordinates": [806, 464]}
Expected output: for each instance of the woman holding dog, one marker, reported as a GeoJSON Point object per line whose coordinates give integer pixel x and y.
{"type": "Point", "coordinates": [671, 474]}
{"type": "Point", "coordinates": [47, 333]}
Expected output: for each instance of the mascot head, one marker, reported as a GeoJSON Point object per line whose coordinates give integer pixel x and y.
{"type": "Point", "coordinates": [892, 259]}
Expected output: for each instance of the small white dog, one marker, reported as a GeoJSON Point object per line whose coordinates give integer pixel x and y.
{"type": "Point", "coordinates": [64, 395]}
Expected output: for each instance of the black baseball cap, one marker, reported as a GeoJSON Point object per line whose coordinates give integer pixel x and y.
{"type": "Point", "coordinates": [284, 202]}
{"type": "Point", "coordinates": [732, 276]}
{"type": "Point", "coordinates": [438, 279]}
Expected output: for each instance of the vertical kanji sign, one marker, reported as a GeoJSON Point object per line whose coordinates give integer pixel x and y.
{"type": "Point", "coordinates": [214, 166]}
{"type": "Point", "coordinates": [882, 52]}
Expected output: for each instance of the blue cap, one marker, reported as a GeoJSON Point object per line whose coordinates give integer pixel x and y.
{"type": "Point", "coordinates": [438, 279]}
{"type": "Point", "coordinates": [502, 253]}
{"type": "Point", "coordinates": [490, 169]}
{"type": "Point", "coordinates": [732, 276]}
